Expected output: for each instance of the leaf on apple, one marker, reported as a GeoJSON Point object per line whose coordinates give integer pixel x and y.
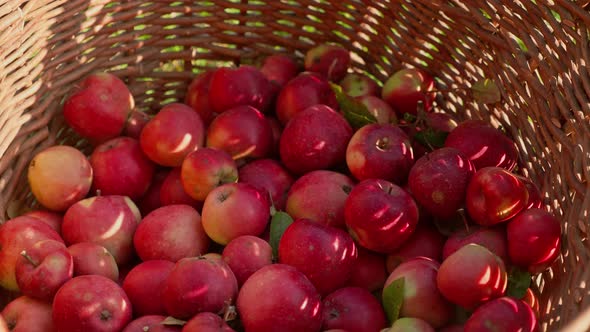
{"type": "Point", "coordinates": [355, 112]}
{"type": "Point", "coordinates": [431, 138]}
{"type": "Point", "coordinates": [518, 282]}
{"type": "Point", "coordinates": [393, 297]}
{"type": "Point", "coordinates": [173, 321]}
{"type": "Point", "coordinates": [486, 91]}
{"type": "Point", "coordinates": [278, 224]}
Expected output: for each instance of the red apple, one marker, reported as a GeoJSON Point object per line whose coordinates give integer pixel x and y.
{"type": "Point", "coordinates": [405, 88]}
{"type": "Point", "coordinates": [354, 309]}
{"type": "Point", "coordinates": [436, 122]}
{"type": "Point", "coordinates": [380, 215]}
{"type": "Point", "coordinates": [91, 303]}
{"type": "Point", "coordinates": [378, 151]}
{"type": "Point", "coordinates": [359, 85]}
{"type": "Point", "coordinates": [439, 180]}
{"type": "Point", "coordinates": [277, 130]}
{"type": "Point", "coordinates": [52, 219]}
{"type": "Point", "coordinates": [426, 241]}
{"type": "Point", "coordinates": [534, 239]}
{"type": "Point", "coordinates": [504, 314]}
{"type": "Point", "coordinates": [495, 195]}
{"type": "Point", "coordinates": [199, 284]}
{"type": "Point", "coordinates": [205, 170]}
{"type": "Point", "coordinates": [493, 238]}
{"type": "Point", "coordinates": [535, 199]}
{"type": "Point", "coordinates": [421, 297]}
{"type": "Point", "coordinates": [532, 300]}
{"type": "Point", "coordinates": [268, 176]}
{"type": "Point", "coordinates": [171, 232]}
{"type": "Point", "coordinates": [59, 176]}
{"type": "Point", "coordinates": [305, 90]}
{"type": "Point", "coordinates": [16, 235]}
{"type": "Point", "coordinates": [172, 134]}
{"type": "Point", "coordinates": [410, 324]}
{"type": "Point", "coordinates": [279, 69]}
{"type": "Point", "coordinates": [93, 259]}
{"type": "Point", "coordinates": [329, 60]}
{"type": "Point", "coordinates": [319, 196]}
{"type": "Point", "coordinates": [120, 168]}
{"type": "Point", "coordinates": [242, 132]}
{"type": "Point", "coordinates": [245, 85]}
{"type": "Point", "coordinates": [315, 138]}
{"type": "Point", "coordinates": [381, 110]}
{"type": "Point", "coordinates": [245, 255]}
{"type": "Point", "coordinates": [43, 268]}
{"type": "Point", "coordinates": [471, 276]}
{"type": "Point", "coordinates": [484, 145]}
{"type": "Point", "coordinates": [135, 123]}
{"type": "Point", "coordinates": [235, 209]}
{"type": "Point", "coordinates": [325, 254]}
{"type": "Point", "coordinates": [109, 221]}
{"type": "Point", "coordinates": [172, 191]}
{"type": "Point", "coordinates": [143, 285]}
{"type": "Point", "coordinates": [151, 199]}
{"type": "Point", "coordinates": [369, 270]}
{"type": "Point", "coordinates": [151, 323]}
{"type": "Point", "coordinates": [98, 107]}
{"type": "Point", "coordinates": [279, 298]}
{"type": "Point", "coordinates": [206, 322]}
{"type": "Point", "coordinates": [197, 96]}
{"type": "Point", "coordinates": [26, 314]}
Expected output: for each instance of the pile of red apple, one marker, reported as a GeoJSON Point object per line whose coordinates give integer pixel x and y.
{"type": "Point", "coordinates": [275, 199]}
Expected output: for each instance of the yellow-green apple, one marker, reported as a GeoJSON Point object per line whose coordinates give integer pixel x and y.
{"type": "Point", "coordinates": [98, 107]}
{"type": "Point", "coordinates": [319, 196]}
{"type": "Point", "coordinates": [205, 170]}
{"type": "Point", "coordinates": [426, 241]}
{"type": "Point", "coordinates": [172, 134]}
{"type": "Point", "coordinates": [329, 60]}
{"type": "Point", "coordinates": [471, 276]}
{"type": "Point", "coordinates": [151, 323]}
{"type": "Point", "coordinates": [28, 314]}
{"type": "Point", "coordinates": [353, 309]}
{"type": "Point", "coordinates": [369, 270]}
{"type": "Point", "coordinates": [494, 195]}
{"type": "Point", "coordinates": [171, 232]}
{"type": "Point", "coordinates": [198, 284]}
{"type": "Point", "coordinates": [534, 239]}
{"type": "Point", "coordinates": [305, 90]}
{"type": "Point", "coordinates": [279, 288]}
{"type": "Point", "coordinates": [91, 303]}
{"type": "Point", "coordinates": [206, 322]}
{"type": "Point", "coordinates": [315, 138]}
{"type": "Point", "coordinates": [59, 176]}
{"type": "Point", "coordinates": [235, 209]}
{"type": "Point", "coordinates": [244, 85]}
{"type": "Point", "coordinates": [483, 144]}
{"type": "Point", "coordinates": [91, 258]}
{"type": "Point", "coordinates": [439, 180]}
{"type": "Point", "coordinates": [43, 268]}
{"type": "Point", "coordinates": [197, 96]}
{"type": "Point", "coordinates": [121, 168]}
{"type": "Point", "coordinates": [380, 215]}
{"type": "Point", "coordinates": [502, 314]}
{"type": "Point", "coordinates": [381, 110]}
{"type": "Point", "coordinates": [359, 85]}
{"type": "Point", "coordinates": [380, 151]}
{"type": "Point", "coordinates": [410, 324]}
{"type": "Point", "coordinates": [16, 235]}
{"type": "Point", "coordinates": [242, 131]}
{"type": "Point", "coordinates": [268, 176]}
{"type": "Point", "coordinates": [245, 255]}
{"type": "Point", "coordinates": [144, 283]}
{"type": "Point", "coordinates": [406, 88]}
{"type": "Point", "coordinates": [421, 297]}
{"type": "Point", "coordinates": [109, 221]}
{"type": "Point", "coordinates": [310, 247]}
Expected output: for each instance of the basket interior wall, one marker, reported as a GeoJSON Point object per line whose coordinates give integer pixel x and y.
{"type": "Point", "coordinates": [536, 53]}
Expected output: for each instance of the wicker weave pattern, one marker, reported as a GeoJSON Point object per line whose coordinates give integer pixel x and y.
{"type": "Point", "coordinates": [537, 53]}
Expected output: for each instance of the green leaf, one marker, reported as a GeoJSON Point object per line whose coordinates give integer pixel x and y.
{"type": "Point", "coordinates": [355, 112]}
{"type": "Point", "coordinates": [279, 222]}
{"type": "Point", "coordinates": [393, 297]}
{"type": "Point", "coordinates": [518, 282]}
{"type": "Point", "coordinates": [486, 91]}
{"type": "Point", "coordinates": [431, 138]}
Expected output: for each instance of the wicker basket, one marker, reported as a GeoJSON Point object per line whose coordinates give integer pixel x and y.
{"type": "Point", "coordinates": [536, 53]}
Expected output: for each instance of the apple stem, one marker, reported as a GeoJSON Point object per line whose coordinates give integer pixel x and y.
{"type": "Point", "coordinates": [273, 209]}
{"type": "Point", "coordinates": [229, 312]}
{"type": "Point", "coordinates": [29, 258]}
{"type": "Point", "coordinates": [390, 190]}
